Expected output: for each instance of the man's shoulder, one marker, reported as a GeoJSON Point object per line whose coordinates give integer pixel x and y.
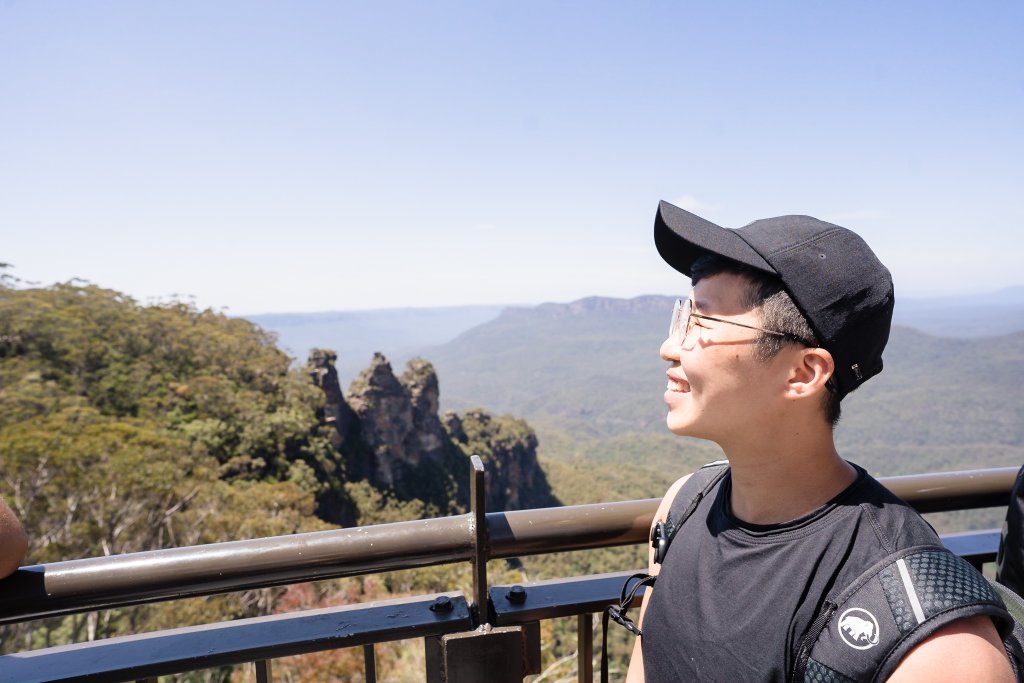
{"type": "Point", "coordinates": [689, 489]}
{"type": "Point", "coordinates": [873, 493]}
{"type": "Point", "coordinates": [922, 592]}
{"type": "Point", "coordinates": [869, 526]}
{"type": "Point", "coordinates": [912, 597]}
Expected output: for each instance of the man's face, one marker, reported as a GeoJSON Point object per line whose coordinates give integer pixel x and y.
{"type": "Point", "coordinates": [716, 385]}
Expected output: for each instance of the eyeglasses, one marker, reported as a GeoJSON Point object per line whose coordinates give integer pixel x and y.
{"type": "Point", "coordinates": [683, 317]}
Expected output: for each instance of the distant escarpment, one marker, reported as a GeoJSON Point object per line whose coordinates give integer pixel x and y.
{"type": "Point", "coordinates": [388, 433]}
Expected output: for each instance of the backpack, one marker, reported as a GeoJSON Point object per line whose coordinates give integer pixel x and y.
{"type": "Point", "coordinates": [1010, 560]}
{"type": "Point", "coordinates": [863, 631]}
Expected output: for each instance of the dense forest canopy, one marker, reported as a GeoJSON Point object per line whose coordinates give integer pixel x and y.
{"type": "Point", "coordinates": [126, 428]}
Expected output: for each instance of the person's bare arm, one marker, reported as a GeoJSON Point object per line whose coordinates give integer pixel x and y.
{"type": "Point", "coordinates": [13, 541]}
{"type": "Point", "coordinates": [635, 674]}
{"type": "Point", "coordinates": [966, 650]}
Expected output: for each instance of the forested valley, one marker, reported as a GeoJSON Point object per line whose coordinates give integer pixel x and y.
{"type": "Point", "coordinates": [127, 428]}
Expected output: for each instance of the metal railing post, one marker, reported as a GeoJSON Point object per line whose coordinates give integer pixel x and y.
{"type": "Point", "coordinates": [264, 674]}
{"type": "Point", "coordinates": [369, 664]}
{"type": "Point", "coordinates": [478, 504]}
{"type": "Point", "coordinates": [585, 648]}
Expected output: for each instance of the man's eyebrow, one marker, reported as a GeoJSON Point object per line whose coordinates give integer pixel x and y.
{"type": "Point", "coordinates": [699, 304]}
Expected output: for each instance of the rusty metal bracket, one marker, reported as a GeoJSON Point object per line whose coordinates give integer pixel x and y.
{"type": "Point", "coordinates": [494, 655]}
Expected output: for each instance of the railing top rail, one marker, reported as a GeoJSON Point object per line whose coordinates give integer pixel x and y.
{"type": "Point", "coordinates": [96, 583]}
{"type": "Point", "coordinates": [961, 490]}
{"type": "Point", "coordinates": [135, 578]}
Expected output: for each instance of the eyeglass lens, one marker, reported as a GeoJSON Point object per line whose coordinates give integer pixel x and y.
{"type": "Point", "coordinates": [680, 320]}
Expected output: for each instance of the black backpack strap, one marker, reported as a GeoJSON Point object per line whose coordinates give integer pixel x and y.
{"type": "Point", "coordinates": [863, 633]}
{"type": "Point", "coordinates": [684, 504]}
{"type": "Point", "coordinates": [1010, 559]}
{"type": "Point", "coordinates": [1014, 640]}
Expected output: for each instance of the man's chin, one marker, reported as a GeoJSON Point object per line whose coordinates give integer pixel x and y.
{"type": "Point", "coordinates": [683, 427]}
{"type": "Point", "coordinates": [679, 427]}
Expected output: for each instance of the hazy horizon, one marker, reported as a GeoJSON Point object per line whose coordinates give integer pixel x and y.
{"type": "Point", "coordinates": [922, 297]}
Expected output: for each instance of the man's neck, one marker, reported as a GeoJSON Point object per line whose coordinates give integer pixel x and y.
{"type": "Point", "coordinates": [780, 479]}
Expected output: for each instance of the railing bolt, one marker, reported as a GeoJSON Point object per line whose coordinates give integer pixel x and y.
{"type": "Point", "coordinates": [441, 604]}
{"type": "Point", "coordinates": [516, 595]}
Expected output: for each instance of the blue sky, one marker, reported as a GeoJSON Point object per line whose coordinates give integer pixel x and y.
{"type": "Point", "coordinates": [301, 156]}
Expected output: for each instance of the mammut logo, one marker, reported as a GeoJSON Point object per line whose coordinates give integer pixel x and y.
{"type": "Point", "coordinates": [858, 628]}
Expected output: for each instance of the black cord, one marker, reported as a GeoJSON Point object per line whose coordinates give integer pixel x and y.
{"type": "Point", "coordinates": [618, 613]}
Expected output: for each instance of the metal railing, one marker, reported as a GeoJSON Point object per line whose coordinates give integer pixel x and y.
{"type": "Point", "coordinates": [75, 586]}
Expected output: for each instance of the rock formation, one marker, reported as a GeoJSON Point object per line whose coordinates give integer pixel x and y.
{"type": "Point", "coordinates": [515, 480]}
{"type": "Point", "coordinates": [342, 422]}
{"type": "Point", "coordinates": [337, 412]}
{"type": "Point", "coordinates": [389, 433]}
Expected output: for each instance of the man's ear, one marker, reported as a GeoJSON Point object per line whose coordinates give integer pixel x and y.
{"type": "Point", "coordinates": [810, 370]}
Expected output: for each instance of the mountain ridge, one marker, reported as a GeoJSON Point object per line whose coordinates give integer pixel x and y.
{"type": "Point", "coordinates": [403, 333]}
{"type": "Point", "coordinates": [588, 376]}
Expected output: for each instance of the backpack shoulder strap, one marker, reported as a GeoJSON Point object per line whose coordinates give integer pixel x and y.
{"type": "Point", "coordinates": [863, 633]}
{"type": "Point", "coordinates": [1010, 558]}
{"type": "Point", "coordinates": [1013, 641]}
{"type": "Point", "coordinates": [683, 505]}
{"type": "Point", "coordinates": [685, 502]}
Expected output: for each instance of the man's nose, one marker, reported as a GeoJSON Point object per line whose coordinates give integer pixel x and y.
{"type": "Point", "coordinates": [670, 349]}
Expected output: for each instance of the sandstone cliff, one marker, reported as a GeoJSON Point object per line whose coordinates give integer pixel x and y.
{"type": "Point", "coordinates": [388, 433]}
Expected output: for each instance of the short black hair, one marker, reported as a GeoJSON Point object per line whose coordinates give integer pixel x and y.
{"type": "Point", "coordinates": [777, 311]}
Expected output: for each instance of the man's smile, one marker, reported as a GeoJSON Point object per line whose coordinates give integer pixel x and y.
{"type": "Point", "coordinates": [677, 384]}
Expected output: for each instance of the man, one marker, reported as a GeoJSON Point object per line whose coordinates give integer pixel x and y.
{"type": "Point", "coordinates": [788, 315]}
{"type": "Point", "coordinates": [13, 541]}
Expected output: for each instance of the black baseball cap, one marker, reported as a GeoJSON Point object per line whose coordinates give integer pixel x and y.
{"type": "Point", "coordinates": [831, 274]}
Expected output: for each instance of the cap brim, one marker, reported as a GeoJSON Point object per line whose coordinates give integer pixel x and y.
{"type": "Point", "coordinates": [682, 237]}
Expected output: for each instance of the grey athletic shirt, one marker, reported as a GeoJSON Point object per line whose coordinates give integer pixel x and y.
{"type": "Point", "coordinates": [733, 600]}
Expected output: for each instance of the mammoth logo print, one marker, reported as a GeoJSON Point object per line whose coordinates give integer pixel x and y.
{"type": "Point", "coordinates": [858, 628]}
